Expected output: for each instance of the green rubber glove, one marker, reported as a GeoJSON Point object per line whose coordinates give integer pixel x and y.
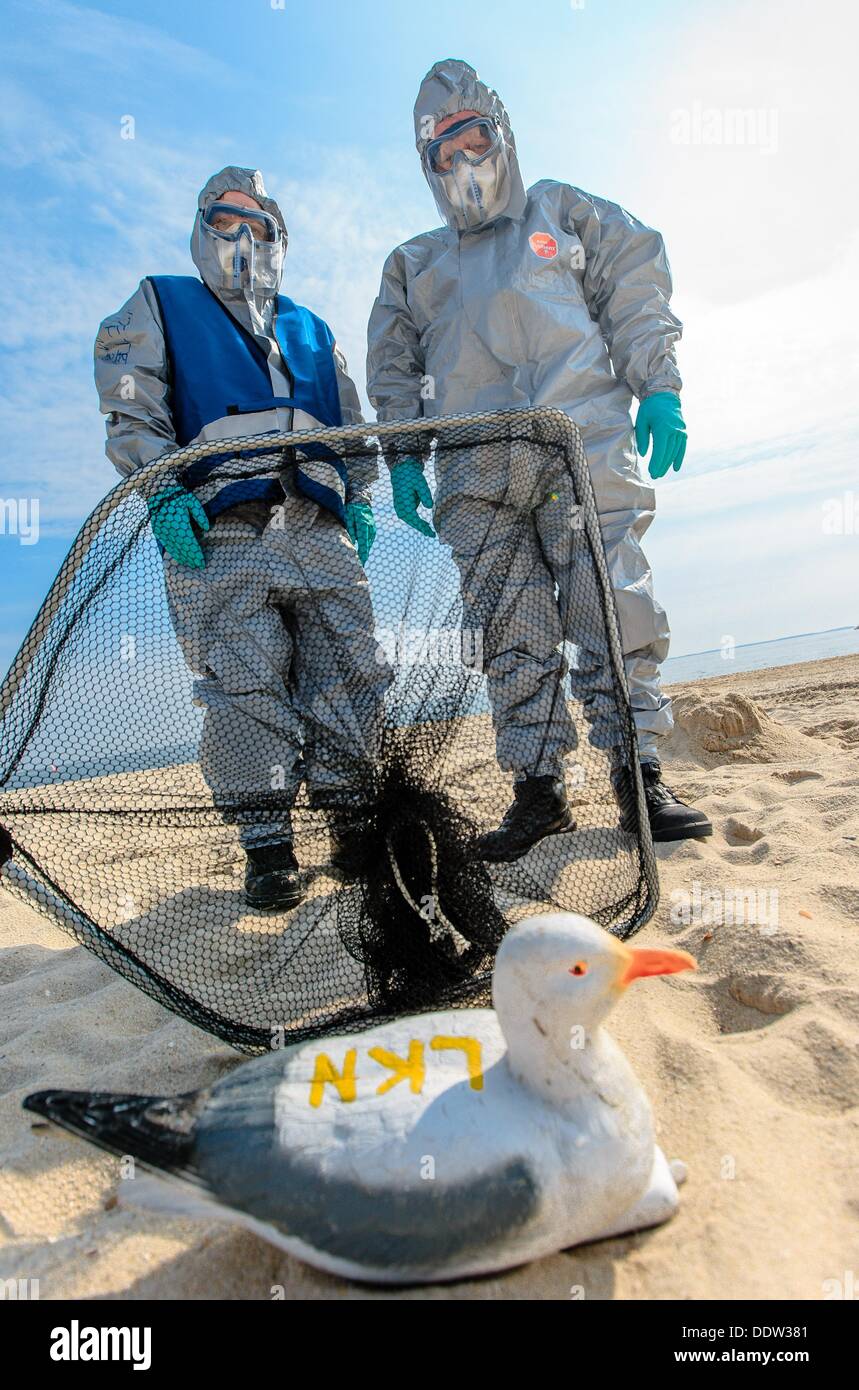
{"type": "Point", "coordinates": [411, 489]}
{"type": "Point", "coordinates": [659, 418]}
{"type": "Point", "coordinates": [171, 515]}
{"type": "Point", "coordinates": [361, 527]}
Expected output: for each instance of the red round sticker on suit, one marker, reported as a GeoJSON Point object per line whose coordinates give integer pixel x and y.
{"type": "Point", "coordinates": [543, 244]}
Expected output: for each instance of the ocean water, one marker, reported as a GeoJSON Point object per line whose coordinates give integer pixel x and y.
{"type": "Point", "coordinates": [756, 656]}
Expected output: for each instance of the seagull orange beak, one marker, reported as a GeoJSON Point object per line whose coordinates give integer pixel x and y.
{"type": "Point", "coordinates": [648, 960]}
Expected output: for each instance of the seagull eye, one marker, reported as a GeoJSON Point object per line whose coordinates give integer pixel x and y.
{"type": "Point", "coordinates": [580, 968]}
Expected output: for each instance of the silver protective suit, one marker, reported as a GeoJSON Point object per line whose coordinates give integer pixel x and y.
{"type": "Point", "coordinates": [255, 646]}
{"type": "Point", "coordinates": [559, 299]}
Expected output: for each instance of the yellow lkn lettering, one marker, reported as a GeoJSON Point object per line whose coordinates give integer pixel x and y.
{"type": "Point", "coordinates": [471, 1048]}
{"type": "Point", "coordinates": [325, 1072]}
{"type": "Point", "coordinates": [409, 1068]}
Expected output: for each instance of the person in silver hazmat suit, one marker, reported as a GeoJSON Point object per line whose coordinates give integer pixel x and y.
{"type": "Point", "coordinates": [540, 297]}
{"type": "Point", "coordinates": [264, 575]}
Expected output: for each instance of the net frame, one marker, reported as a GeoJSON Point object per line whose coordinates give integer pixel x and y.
{"type": "Point", "coordinates": [548, 428]}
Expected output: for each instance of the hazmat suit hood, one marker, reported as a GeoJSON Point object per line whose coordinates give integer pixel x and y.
{"type": "Point", "coordinates": [252, 305]}
{"type": "Point", "coordinates": [450, 86]}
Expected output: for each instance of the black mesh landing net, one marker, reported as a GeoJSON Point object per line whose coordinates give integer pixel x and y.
{"type": "Point", "coordinates": [161, 723]}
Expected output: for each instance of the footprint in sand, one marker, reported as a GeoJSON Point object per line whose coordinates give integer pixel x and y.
{"type": "Point", "coordinates": [843, 896]}
{"type": "Point", "coordinates": [843, 731]}
{"type": "Point", "coordinates": [768, 994]}
{"type": "Point", "coordinates": [747, 1001]}
{"type": "Point", "coordinates": [737, 832]}
{"type": "Point", "coordinates": [794, 775]}
{"type": "Point", "coordinates": [806, 1062]}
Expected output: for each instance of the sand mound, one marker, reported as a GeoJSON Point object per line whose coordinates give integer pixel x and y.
{"type": "Point", "coordinates": [728, 727]}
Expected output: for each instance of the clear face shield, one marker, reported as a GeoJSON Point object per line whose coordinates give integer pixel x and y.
{"type": "Point", "coordinates": [248, 246]}
{"type": "Point", "coordinates": [468, 171]}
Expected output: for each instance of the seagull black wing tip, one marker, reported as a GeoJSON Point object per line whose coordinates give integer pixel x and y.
{"type": "Point", "coordinates": [158, 1131]}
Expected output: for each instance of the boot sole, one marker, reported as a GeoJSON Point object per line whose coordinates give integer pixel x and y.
{"type": "Point", "coordinates": [565, 829]}
{"type": "Point", "coordinates": [692, 832]}
{"type": "Point", "coordinates": [277, 904]}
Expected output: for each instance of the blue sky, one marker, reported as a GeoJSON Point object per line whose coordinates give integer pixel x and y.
{"type": "Point", "coordinates": [762, 235]}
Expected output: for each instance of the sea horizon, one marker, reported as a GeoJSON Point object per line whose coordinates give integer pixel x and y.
{"type": "Point", "coordinates": [757, 656]}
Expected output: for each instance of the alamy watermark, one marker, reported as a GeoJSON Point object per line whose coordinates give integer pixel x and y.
{"type": "Point", "coordinates": [19, 1290]}
{"type": "Point", "coordinates": [717, 907]}
{"type": "Point", "coordinates": [841, 515]}
{"type": "Point", "coordinates": [19, 516]}
{"type": "Point", "coordinates": [734, 126]}
{"type": "Point", "coordinates": [433, 646]}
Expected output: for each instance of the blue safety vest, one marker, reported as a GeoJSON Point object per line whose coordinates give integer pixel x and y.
{"type": "Point", "coordinates": [218, 369]}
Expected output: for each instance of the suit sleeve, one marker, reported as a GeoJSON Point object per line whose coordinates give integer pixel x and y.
{"type": "Point", "coordinates": [362, 469]}
{"type": "Point", "coordinates": [627, 286]}
{"type": "Point", "coordinates": [132, 380]}
{"type": "Point", "coordinates": [395, 360]}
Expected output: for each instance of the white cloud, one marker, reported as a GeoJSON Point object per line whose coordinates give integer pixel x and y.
{"type": "Point", "coordinates": [115, 44]}
{"type": "Point", "coordinates": [748, 217]}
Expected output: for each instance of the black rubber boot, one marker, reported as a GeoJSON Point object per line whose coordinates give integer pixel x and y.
{"type": "Point", "coordinates": [271, 879]}
{"type": "Point", "coordinates": [349, 843]}
{"type": "Point", "coordinates": [539, 809]}
{"type": "Point", "coordinates": [670, 818]}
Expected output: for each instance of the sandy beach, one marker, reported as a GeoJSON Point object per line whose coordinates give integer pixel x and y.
{"type": "Point", "coordinates": [751, 1065]}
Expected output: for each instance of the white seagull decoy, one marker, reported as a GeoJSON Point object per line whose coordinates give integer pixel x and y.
{"type": "Point", "coordinates": [439, 1146]}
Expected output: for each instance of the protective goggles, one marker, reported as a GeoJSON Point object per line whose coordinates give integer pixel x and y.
{"type": "Point", "coordinates": [475, 138]}
{"type": "Point", "coordinates": [227, 220]}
